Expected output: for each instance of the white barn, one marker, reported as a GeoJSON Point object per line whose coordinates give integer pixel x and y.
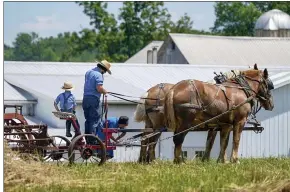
{"type": "Point", "coordinates": [42, 82]}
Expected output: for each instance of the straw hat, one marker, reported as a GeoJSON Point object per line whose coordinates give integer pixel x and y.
{"type": "Point", "coordinates": [67, 86]}
{"type": "Point", "coordinates": [106, 65]}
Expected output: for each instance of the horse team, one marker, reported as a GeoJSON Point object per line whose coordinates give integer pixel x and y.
{"type": "Point", "coordinates": [190, 102]}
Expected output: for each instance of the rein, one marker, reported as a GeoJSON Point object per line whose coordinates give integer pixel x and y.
{"type": "Point", "coordinates": [118, 94]}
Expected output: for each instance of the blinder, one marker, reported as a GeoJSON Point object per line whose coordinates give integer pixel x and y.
{"type": "Point", "coordinates": [270, 84]}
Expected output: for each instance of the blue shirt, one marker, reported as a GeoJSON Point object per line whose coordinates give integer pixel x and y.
{"type": "Point", "coordinates": [93, 78]}
{"type": "Point", "coordinates": [112, 123]}
{"type": "Point", "coordinates": [67, 101]}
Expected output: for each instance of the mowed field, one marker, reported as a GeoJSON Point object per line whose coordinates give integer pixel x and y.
{"type": "Point", "coordinates": [271, 174]}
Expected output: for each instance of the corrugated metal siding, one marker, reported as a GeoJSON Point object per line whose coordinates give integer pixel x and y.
{"type": "Point", "coordinates": [275, 139]}
{"type": "Point", "coordinates": [130, 79]}
{"type": "Point", "coordinates": [51, 85]}
{"type": "Point", "coordinates": [218, 50]}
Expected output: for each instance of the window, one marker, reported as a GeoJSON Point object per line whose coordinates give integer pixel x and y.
{"type": "Point", "coordinates": [199, 154]}
{"type": "Point", "coordinates": [173, 46]}
{"type": "Point", "coordinates": [184, 154]}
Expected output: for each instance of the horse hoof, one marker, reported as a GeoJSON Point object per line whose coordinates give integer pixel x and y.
{"type": "Point", "coordinates": [176, 161]}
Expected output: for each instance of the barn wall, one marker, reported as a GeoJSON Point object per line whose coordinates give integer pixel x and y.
{"type": "Point", "coordinates": [170, 54]}
{"type": "Point", "coordinates": [195, 141]}
{"type": "Point", "coordinates": [275, 139]}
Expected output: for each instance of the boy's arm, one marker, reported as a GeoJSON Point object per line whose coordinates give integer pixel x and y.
{"type": "Point", "coordinates": [56, 101]}
{"type": "Point", "coordinates": [75, 104]}
{"type": "Point", "coordinates": [119, 137]}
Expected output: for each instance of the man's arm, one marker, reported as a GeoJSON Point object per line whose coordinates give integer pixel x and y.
{"type": "Point", "coordinates": [101, 89]}
{"type": "Point", "coordinates": [99, 81]}
{"type": "Point", "coordinates": [119, 137]}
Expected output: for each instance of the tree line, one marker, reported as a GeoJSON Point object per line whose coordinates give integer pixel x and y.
{"type": "Point", "coordinates": [139, 24]}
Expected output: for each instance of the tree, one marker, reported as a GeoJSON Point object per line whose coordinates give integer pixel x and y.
{"type": "Point", "coordinates": [183, 25]}
{"type": "Point", "coordinates": [143, 22]}
{"type": "Point", "coordinates": [8, 53]}
{"type": "Point", "coordinates": [107, 37]}
{"type": "Point", "coordinates": [23, 50]}
{"type": "Point", "coordinates": [265, 6]}
{"type": "Point", "coordinates": [235, 18]}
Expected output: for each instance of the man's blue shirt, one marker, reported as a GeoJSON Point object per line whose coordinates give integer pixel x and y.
{"type": "Point", "coordinates": [67, 101]}
{"type": "Point", "coordinates": [112, 123]}
{"type": "Point", "coordinates": [93, 78]}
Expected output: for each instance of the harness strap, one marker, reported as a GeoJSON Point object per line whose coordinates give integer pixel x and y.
{"type": "Point", "coordinates": [200, 103]}
{"type": "Point", "coordinates": [161, 86]}
{"type": "Point", "coordinates": [65, 101]}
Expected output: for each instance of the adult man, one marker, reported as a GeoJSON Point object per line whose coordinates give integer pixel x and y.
{"type": "Point", "coordinates": [67, 104]}
{"type": "Point", "coordinates": [114, 122]}
{"type": "Point", "coordinates": [93, 88]}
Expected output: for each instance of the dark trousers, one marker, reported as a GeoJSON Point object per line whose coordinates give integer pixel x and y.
{"type": "Point", "coordinates": [68, 124]}
{"type": "Point", "coordinates": [92, 113]}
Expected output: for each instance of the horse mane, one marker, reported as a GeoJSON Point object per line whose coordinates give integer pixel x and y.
{"type": "Point", "coordinates": [251, 73]}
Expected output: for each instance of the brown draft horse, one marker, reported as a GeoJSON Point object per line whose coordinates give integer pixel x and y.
{"type": "Point", "coordinates": [151, 112]}
{"type": "Point", "coordinates": [191, 102]}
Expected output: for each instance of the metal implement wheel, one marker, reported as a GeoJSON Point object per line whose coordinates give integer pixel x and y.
{"type": "Point", "coordinates": [57, 150]}
{"type": "Point", "coordinates": [81, 152]}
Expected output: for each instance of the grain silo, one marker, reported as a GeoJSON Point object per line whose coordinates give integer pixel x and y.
{"type": "Point", "coordinates": [274, 23]}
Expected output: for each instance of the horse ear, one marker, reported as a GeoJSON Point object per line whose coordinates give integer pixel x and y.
{"type": "Point", "coordinates": [255, 66]}
{"type": "Point", "coordinates": [266, 75]}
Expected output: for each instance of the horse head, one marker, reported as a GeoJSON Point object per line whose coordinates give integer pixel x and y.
{"type": "Point", "coordinates": [265, 85]}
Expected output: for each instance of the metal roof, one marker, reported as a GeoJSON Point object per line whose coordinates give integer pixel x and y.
{"type": "Point", "coordinates": [281, 79]}
{"type": "Point", "coordinates": [141, 56]}
{"type": "Point", "coordinates": [273, 20]}
{"type": "Point", "coordinates": [229, 51]}
{"type": "Point", "coordinates": [128, 79]}
{"type": "Point", "coordinates": [16, 95]}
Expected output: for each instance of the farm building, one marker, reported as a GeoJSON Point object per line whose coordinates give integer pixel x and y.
{"type": "Point", "coordinates": [36, 85]}
{"type": "Point", "coordinates": [214, 50]}
{"type": "Point", "coordinates": [272, 31]}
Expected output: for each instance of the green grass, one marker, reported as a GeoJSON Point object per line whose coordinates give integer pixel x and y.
{"type": "Point", "coordinates": [251, 175]}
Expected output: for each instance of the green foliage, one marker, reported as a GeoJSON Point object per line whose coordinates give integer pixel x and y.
{"type": "Point", "coordinates": [238, 18]}
{"type": "Point", "coordinates": [138, 23]}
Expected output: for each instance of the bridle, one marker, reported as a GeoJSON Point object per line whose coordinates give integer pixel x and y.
{"type": "Point", "coordinates": [265, 94]}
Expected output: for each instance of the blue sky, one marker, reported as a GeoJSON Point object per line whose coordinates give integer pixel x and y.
{"type": "Point", "coordinates": [51, 18]}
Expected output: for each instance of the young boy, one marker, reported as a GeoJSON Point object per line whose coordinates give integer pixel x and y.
{"type": "Point", "coordinates": [67, 104]}
{"type": "Point", "coordinates": [114, 122]}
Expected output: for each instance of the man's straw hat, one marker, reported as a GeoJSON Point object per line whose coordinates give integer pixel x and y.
{"type": "Point", "coordinates": [67, 86]}
{"type": "Point", "coordinates": [105, 64]}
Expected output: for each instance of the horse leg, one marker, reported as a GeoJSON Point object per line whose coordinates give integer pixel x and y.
{"type": "Point", "coordinates": [143, 151]}
{"type": "Point", "coordinates": [142, 157]}
{"type": "Point", "coordinates": [237, 131]}
{"type": "Point", "coordinates": [152, 147]}
{"type": "Point", "coordinates": [224, 140]}
{"type": "Point", "coordinates": [178, 140]}
{"type": "Point", "coordinates": [211, 135]}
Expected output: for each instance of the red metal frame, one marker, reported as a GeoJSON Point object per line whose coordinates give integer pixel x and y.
{"type": "Point", "coordinates": [108, 132]}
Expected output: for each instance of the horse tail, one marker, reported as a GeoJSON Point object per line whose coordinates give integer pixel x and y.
{"type": "Point", "coordinates": [140, 112]}
{"type": "Point", "coordinates": [169, 112]}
